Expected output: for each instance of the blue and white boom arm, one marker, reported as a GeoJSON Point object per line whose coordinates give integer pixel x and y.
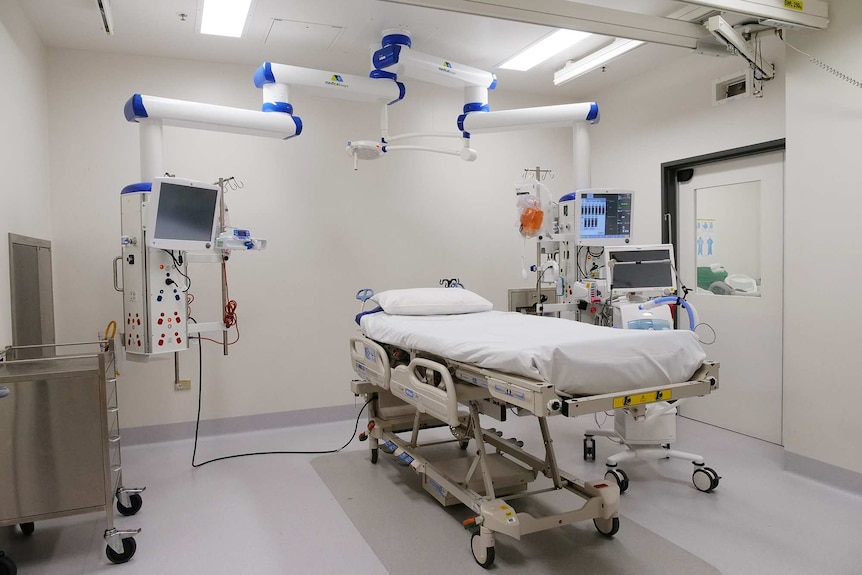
{"type": "Point", "coordinates": [398, 57]}
{"type": "Point", "coordinates": [275, 81]}
{"type": "Point", "coordinates": [479, 121]}
{"type": "Point", "coordinates": [147, 109]}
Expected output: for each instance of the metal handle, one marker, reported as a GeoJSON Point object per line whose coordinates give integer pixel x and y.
{"type": "Point", "coordinates": [669, 219]}
{"type": "Point", "coordinates": [116, 276]}
{"type": "Point", "coordinates": [4, 391]}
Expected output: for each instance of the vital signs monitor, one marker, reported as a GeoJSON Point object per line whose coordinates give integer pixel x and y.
{"type": "Point", "coordinates": [603, 217]}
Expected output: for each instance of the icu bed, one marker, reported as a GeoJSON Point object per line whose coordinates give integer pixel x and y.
{"type": "Point", "coordinates": [417, 370]}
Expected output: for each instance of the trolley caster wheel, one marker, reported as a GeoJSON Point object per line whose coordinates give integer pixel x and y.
{"type": "Point", "coordinates": [484, 557]}
{"type": "Point", "coordinates": [136, 502]}
{"type": "Point", "coordinates": [620, 477]}
{"type": "Point", "coordinates": [589, 448]}
{"type": "Point", "coordinates": [374, 456]}
{"type": "Point", "coordinates": [129, 548]}
{"type": "Point", "coordinates": [607, 527]}
{"type": "Point", "coordinates": [27, 528]}
{"type": "Point", "coordinates": [705, 479]}
{"type": "Point", "coordinates": [7, 566]}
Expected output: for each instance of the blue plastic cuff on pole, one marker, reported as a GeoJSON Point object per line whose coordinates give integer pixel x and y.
{"type": "Point", "coordinates": [402, 91]}
{"type": "Point", "coordinates": [494, 83]}
{"type": "Point", "coordinates": [593, 116]}
{"type": "Point", "coordinates": [396, 39]}
{"type": "Point", "coordinates": [139, 187]}
{"type": "Point", "coordinates": [135, 109]}
{"type": "Point", "coordinates": [461, 119]}
{"type": "Point", "coordinates": [383, 74]}
{"type": "Point", "coordinates": [298, 122]}
{"type": "Point", "coordinates": [569, 197]}
{"type": "Point", "coordinates": [476, 107]}
{"type": "Point", "coordinates": [263, 75]}
{"type": "Point", "coordinates": [282, 107]}
{"type": "Point", "coordinates": [385, 57]}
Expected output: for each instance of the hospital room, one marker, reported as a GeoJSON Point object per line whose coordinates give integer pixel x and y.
{"type": "Point", "coordinates": [407, 287]}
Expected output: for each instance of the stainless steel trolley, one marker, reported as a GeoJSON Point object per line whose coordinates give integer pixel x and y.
{"type": "Point", "coordinates": [60, 441]}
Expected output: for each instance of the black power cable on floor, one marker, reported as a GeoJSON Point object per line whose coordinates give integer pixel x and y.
{"type": "Point", "coordinates": [198, 424]}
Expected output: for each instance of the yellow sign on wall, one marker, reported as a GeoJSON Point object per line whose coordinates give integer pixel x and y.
{"type": "Point", "coordinates": [795, 4]}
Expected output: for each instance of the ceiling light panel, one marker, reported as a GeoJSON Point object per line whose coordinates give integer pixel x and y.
{"type": "Point", "coordinates": [588, 63]}
{"type": "Point", "coordinates": [225, 17]}
{"type": "Point", "coordinates": [546, 48]}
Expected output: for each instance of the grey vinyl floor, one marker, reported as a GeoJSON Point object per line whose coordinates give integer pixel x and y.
{"type": "Point", "coordinates": [272, 514]}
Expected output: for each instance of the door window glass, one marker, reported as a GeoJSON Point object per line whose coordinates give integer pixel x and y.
{"type": "Point", "coordinates": [727, 239]}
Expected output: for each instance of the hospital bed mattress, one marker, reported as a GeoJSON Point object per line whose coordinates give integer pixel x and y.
{"type": "Point", "coordinates": [576, 358]}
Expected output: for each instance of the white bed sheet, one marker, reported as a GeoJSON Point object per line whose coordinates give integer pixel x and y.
{"type": "Point", "coordinates": [577, 358]}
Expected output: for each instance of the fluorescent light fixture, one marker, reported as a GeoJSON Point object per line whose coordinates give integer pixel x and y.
{"type": "Point", "coordinates": [592, 61]}
{"type": "Point", "coordinates": [225, 17]}
{"type": "Point", "coordinates": [547, 47]}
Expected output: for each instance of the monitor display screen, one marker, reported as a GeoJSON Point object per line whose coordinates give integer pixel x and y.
{"type": "Point", "coordinates": [605, 216]}
{"type": "Point", "coordinates": [182, 214]}
{"type": "Point", "coordinates": [648, 270]}
{"type": "Point", "coordinates": [185, 213]}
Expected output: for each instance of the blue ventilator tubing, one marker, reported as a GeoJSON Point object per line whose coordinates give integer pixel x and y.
{"type": "Point", "coordinates": [674, 300]}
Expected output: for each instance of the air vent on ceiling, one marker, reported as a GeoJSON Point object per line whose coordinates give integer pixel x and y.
{"type": "Point", "coordinates": [731, 88]}
{"type": "Point", "coordinates": [106, 15]}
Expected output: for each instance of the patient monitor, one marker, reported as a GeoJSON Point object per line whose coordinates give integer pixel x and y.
{"type": "Point", "coordinates": [597, 216]}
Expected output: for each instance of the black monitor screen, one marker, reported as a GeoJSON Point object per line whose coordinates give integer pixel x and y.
{"type": "Point", "coordinates": [185, 213]}
{"type": "Point", "coordinates": [606, 216]}
{"type": "Point", "coordinates": [644, 269]}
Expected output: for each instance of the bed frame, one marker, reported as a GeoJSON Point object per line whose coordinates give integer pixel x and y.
{"type": "Point", "coordinates": [429, 392]}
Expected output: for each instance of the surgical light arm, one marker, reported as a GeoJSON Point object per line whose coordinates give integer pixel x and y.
{"type": "Point", "coordinates": [725, 34]}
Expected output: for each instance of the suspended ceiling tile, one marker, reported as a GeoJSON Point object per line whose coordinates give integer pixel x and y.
{"type": "Point", "coordinates": [305, 35]}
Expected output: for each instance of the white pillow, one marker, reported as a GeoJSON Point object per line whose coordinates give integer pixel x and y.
{"type": "Point", "coordinates": [431, 301]}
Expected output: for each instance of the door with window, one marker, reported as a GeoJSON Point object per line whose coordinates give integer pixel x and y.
{"type": "Point", "coordinates": [730, 254]}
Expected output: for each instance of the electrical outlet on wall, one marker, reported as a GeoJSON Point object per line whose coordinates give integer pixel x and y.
{"type": "Point", "coordinates": [183, 385]}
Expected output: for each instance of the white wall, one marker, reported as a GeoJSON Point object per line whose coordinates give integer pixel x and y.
{"type": "Point", "coordinates": [401, 221]}
{"type": "Point", "coordinates": [822, 203]}
{"type": "Point", "coordinates": [667, 115]}
{"type": "Point", "coordinates": [24, 193]}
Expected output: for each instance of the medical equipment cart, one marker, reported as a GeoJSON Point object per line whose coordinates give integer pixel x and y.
{"type": "Point", "coordinates": [60, 440]}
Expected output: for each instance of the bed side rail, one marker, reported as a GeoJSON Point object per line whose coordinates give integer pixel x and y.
{"type": "Point", "coordinates": [704, 381]}
{"type": "Point", "coordinates": [438, 402]}
{"type": "Point", "coordinates": [537, 397]}
{"type": "Point", "coordinates": [370, 361]}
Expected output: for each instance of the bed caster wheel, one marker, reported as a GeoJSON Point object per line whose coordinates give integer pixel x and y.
{"type": "Point", "coordinates": [136, 502]}
{"type": "Point", "coordinates": [129, 548]}
{"type": "Point", "coordinates": [620, 477]}
{"type": "Point", "coordinates": [484, 556]}
{"type": "Point", "coordinates": [589, 448]}
{"type": "Point", "coordinates": [607, 527]}
{"type": "Point", "coordinates": [374, 456]}
{"type": "Point", "coordinates": [705, 479]}
{"type": "Point", "coordinates": [27, 528]}
{"type": "Point", "coordinates": [7, 566]}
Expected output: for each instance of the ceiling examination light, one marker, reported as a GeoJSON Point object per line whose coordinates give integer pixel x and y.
{"type": "Point", "coordinates": [592, 61]}
{"type": "Point", "coordinates": [225, 17]}
{"type": "Point", "coordinates": [545, 48]}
